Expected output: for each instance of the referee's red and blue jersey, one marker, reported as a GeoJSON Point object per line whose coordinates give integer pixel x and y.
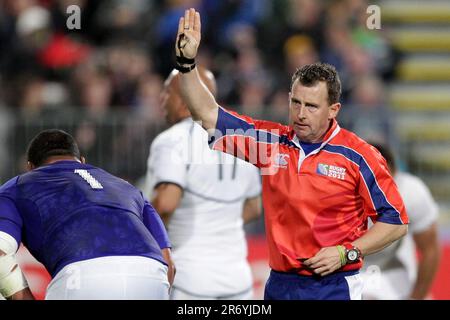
{"type": "Point", "coordinates": [316, 200]}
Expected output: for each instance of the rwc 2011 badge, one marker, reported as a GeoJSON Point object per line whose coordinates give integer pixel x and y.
{"type": "Point", "coordinates": [331, 171]}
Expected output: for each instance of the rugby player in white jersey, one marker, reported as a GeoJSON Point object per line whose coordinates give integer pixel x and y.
{"type": "Point", "coordinates": [395, 272]}
{"type": "Point", "coordinates": [204, 198]}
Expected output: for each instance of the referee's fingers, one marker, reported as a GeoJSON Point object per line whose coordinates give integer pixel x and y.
{"type": "Point", "coordinates": [197, 22]}
{"type": "Point", "coordinates": [311, 261]}
{"type": "Point", "coordinates": [326, 273]}
{"type": "Point", "coordinates": [186, 19]}
{"type": "Point", "coordinates": [180, 25]}
{"type": "Point", "coordinates": [322, 270]}
{"type": "Point", "coordinates": [307, 262]}
{"type": "Point", "coordinates": [191, 18]}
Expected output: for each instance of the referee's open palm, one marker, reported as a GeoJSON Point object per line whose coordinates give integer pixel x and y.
{"type": "Point", "coordinates": [189, 34]}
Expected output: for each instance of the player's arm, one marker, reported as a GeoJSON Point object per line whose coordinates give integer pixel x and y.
{"type": "Point", "coordinates": [252, 209]}
{"type": "Point", "coordinates": [423, 212]}
{"type": "Point", "coordinates": [166, 175]}
{"type": "Point", "coordinates": [171, 269]}
{"type": "Point", "coordinates": [156, 227]}
{"type": "Point", "coordinates": [198, 98]}
{"type": "Point", "coordinates": [13, 285]}
{"type": "Point", "coordinates": [166, 198]}
{"type": "Point", "coordinates": [428, 246]}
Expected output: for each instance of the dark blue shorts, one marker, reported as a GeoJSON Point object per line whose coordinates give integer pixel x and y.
{"type": "Point", "coordinates": [336, 286]}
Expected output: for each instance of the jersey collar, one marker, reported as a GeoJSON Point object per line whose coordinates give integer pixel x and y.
{"type": "Point", "coordinates": [331, 133]}
{"type": "Point", "coordinates": [62, 163]}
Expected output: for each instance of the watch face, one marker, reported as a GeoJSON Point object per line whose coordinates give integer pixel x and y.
{"type": "Point", "coordinates": [352, 255]}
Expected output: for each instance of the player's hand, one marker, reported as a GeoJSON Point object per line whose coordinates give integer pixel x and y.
{"type": "Point", "coordinates": [167, 255]}
{"type": "Point", "coordinates": [326, 261]}
{"type": "Point", "coordinates": [171, 273]}
{"type": "Point", "coordinates": [189, 35]}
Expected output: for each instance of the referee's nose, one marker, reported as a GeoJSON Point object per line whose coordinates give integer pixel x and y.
{"type": "Point", "coordinates": [301, 114]}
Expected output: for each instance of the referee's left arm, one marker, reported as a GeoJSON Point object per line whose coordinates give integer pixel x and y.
{"type": "Point", "coordinates": [381, 202]}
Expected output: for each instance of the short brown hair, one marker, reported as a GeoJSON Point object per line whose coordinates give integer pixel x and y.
{"type": "Point", "coordinates": [310, 74]}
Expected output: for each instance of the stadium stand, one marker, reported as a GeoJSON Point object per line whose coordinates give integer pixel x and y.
{"type": "Point", "coordinates": [420, 95]}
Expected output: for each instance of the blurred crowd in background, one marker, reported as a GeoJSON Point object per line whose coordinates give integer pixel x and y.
{"type": "Point", "coordinates": [103, 81]}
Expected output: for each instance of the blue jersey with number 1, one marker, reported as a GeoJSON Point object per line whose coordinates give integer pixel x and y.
{"type": "Point", "coordinates": [68, 211]}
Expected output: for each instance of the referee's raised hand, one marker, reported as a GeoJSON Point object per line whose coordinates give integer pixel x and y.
{"type": "Point", "coordinates": [188, 37]}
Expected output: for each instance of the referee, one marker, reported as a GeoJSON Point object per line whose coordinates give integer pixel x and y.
{"type": "Point", "coordinates": [321, 183]}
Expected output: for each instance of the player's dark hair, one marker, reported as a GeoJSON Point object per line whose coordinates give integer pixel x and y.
{"type": "Point", "coordinates": [310, 74]}
{"type": "Point", "coordinates": [387, 153]}
{"type": "Point", "coordinates": [52, 142]}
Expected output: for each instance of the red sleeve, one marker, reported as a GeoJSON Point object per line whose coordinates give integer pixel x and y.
{"type": "Point", "coordinates": [244, 137]}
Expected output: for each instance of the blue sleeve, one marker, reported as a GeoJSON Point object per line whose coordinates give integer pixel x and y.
{"type": "Point", "coordinates": [155, 225]}
{"type": "Point", "coordinates": [229, 123]}
{"type": "Point", "coordinates": [10, 219]}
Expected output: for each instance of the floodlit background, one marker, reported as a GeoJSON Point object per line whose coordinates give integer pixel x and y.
{"type": "Point", "coordinates": [102, 82]}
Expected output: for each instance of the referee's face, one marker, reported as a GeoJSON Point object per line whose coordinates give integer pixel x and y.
{"type": "Point", "coordinates": [310, 114]}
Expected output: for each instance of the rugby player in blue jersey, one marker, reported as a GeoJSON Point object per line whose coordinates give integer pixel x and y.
{"type": "Point", "coordinates": [95, 233]}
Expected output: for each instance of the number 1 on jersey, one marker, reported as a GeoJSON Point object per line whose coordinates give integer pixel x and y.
{"type": "Point", "coordinates": [89, 179]}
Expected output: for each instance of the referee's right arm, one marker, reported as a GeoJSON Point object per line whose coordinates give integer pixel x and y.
{"type": "Point", "coordinates": [198, 98]}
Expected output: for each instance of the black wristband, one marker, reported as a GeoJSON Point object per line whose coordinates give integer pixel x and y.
{"type": "Point", "coordinates": [184, 60]}
{"type": "Point", "coordinates": [184, 69]}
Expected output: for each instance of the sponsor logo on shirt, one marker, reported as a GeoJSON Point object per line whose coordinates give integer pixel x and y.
{"type": "Point", "coordinates": [281, 160]}
{"type": "Point", "coordinates": [331, 171]}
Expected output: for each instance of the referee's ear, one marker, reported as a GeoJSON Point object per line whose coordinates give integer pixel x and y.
{"type": "Point", "coordinates": [334, 110]}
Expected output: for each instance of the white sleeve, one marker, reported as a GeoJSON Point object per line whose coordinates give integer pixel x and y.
{"type": "Point", "coordinates": [420, 206]}
{"type": "Point", "coordinates": [254, 186]}
{"type": "Point", "coordinates": [166, 163]}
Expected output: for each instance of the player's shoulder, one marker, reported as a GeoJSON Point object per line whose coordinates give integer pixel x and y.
{"type": "Point", "coordinates": [103, 172]}
{"type": "Point", "coordinates": [9, 185]}
{"type": "Point", "coordinates": [422, 209]}
{"type": "Point", "coordinates": [119, 182]}
{"type": "Point", "coordinates": [410, 180]}
{"type": "Point", "coordinates": [173, 135]}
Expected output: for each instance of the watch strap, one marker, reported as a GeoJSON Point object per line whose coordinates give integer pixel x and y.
{"type": "Point", "coordinates": [348, 246]}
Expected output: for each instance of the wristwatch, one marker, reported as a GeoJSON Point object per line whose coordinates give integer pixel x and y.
{"type": "Point", "coordinates": [352, 253]}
